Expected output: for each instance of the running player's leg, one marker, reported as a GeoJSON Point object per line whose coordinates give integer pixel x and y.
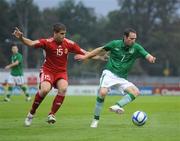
{"type": "Point", "coordinates": [58, 100]}
{"type": "Point", "coordinates": [40, 95]}
{"type": "Point", "coordinates": [19, 80]}
{"type": "Point", "coordinates": [131, 93]}
{"type": "Point", "coordinates": [9, 90]}
{"type": "Point", "coordinates": [99, 105]}
{"type": "Point", "coordinates": [24, 89]}
{"type": "Point", "coordinates": [105, 82]}
{"type": "Point", "coordinates": [8, 93]}
{"type": "Point", "coordinates": [46, 80]}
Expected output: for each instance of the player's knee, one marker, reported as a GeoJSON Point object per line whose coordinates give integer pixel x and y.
{"type": "Point", "coordinates": [62, 90]}
{"type": "Point", "coordinates": [45, 91]}
{"type": "Point", "coordinates": [103, 92]}
{"type": "Point", "coordinates": [136, 93]}
{"type": "Point", "coordinates": [103, 95]}
{"type": "Point", "coordinates": [24, 88]}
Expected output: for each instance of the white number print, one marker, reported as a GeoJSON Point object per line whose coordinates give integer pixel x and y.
{"type": "Point", "coordinates": [59, 52]}
{"type": "Point", "coordinates": [47, 77]}
{"type": "Point", "coordinates": [123, 58]}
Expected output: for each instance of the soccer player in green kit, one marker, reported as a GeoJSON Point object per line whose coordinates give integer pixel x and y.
{"type": "Point", "coordinates": [16, 74]}
{"type": "Point", "coordinates": [122, 55]}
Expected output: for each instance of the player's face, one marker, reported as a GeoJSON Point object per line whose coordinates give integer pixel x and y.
{"type": "Point", "coordinates": [130, 40]}
{"type": "Point", "coordinates": [59, 36]}
{"type": "Point", "coordinates": [14, 49]}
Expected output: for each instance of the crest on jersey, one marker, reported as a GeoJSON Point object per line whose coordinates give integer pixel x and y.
{"type": "Point", "coordinates": [131, 51]}
{"type": "Point", "coordinates": [65, 50]}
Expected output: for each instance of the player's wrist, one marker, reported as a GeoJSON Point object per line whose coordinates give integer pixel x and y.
{"type": "Point", "coordinates": [21, 37]}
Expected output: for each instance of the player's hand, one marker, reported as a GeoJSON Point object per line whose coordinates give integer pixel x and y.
{"type": "Point", "coordinates": [105, 57]}
{"type": "Point", "coordinates": [152, 59]}
{"type": "Point", "coordinates": [79, 57]}
{"type": "Point", "coordinates": [17, 33]}
{"type": "Point", "coordinates": [7, 67]}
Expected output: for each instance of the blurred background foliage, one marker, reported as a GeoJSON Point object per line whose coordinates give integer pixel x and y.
{"type": "Point", "coordinates": [156, 21]}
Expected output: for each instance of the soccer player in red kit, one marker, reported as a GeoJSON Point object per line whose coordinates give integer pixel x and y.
{"type": "Point", "coordinates": [54, 69]}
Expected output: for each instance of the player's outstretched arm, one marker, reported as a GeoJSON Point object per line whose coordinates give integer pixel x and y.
{"type": "Point", "coordinates": [12, 65]}
{"type": "Point", "coordinates": [151, 58]}
{"type": "Point", "coordinates": [89, 55]}
{"type": "Point", "coordinates": [19, 35]}
{"type": "Point", "coordinates": [102, 56]}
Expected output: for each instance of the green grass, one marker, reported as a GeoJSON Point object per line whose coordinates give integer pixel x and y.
{"type": "Point", "coordinates": [74, 117]}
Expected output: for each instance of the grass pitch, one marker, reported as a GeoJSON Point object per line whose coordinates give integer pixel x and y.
{"type": "Point", "coordinates": [74, 117]}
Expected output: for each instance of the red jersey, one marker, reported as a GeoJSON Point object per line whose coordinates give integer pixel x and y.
{"type": "Point", "coordinates": [57, 54]}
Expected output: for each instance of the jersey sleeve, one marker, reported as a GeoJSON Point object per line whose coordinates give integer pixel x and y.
{"type": "Point", "coordinates": [142, 52]}
{"type": "Point", "coordinates": [42, 43]}
{"type": "Point", "coordinates": [19, 58]}
{"type": "Point", "coordinates": [109, 45]}
{"type": "Point", "coordinates": [76, 49]}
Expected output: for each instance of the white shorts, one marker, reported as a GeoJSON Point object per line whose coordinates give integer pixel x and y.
{"type": "Point", "coordinates": [109, 79]}
{"type": "Point", "coordinates": [15, 80]}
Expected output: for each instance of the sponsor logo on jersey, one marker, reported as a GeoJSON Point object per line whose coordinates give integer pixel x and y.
{"type": "Point", "coordinates": [117, 49]}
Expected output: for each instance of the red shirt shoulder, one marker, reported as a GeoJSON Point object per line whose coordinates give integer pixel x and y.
{"type": "Point", "coordinates": [74, 47]}
{"type": "Point", "coordinates": [69, 41]}
{"type": "Point", "coordinates": [44, 42]}
{"type": "Point", "coordinates": [49, 39]}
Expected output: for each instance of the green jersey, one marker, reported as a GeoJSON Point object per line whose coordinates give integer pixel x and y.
{"type": "Point", "coordinates": [17, 70]}
{"type": "Point", "coordinates": [122, 57]}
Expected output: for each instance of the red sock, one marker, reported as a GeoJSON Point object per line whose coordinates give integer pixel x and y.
{"type": "Point", "coordinates": [37, 101]}
{"type": "Point", "coordinates": [58, 101]}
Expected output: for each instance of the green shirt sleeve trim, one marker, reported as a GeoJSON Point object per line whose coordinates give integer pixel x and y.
{"type": "Point", "coordinates": [142, 51]}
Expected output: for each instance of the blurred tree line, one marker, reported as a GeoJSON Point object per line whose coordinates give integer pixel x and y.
{"type": "Point", "coordinates": [156, 21]}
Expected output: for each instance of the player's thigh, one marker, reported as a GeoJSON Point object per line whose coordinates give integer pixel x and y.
{"type": "Point", "coordinates": [11, 80]}
{"type": "Point", "coordinates": [19, 80]}
{"type": "Point", "coordinates": [108, 79]}
{"type": "Point", "coordinates": [127, 86]}
{"type": "Point", "coordinates": [62, 85]}
{"type": "Point", "coordinates": [46, 76]}
{"type": "Point", "coordinates": [45, 87]}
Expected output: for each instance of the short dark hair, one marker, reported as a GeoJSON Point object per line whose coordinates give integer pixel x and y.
{"type": "Point", "coordinates": [58, 27]}
{"type": "Point", "coordinates": [128, 30]}
{"type": "Point", "coordinates": [13, 44]}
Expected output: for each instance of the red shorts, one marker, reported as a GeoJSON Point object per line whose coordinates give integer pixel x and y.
{"type": "Point", "coordinates": [46, 75]}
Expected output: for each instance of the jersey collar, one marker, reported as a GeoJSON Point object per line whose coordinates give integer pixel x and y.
{"type": "Point", "coordinates": [125, 47]}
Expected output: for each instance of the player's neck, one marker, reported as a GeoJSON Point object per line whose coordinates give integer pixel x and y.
{"type": "Point", "coordinates": [58, 41]}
